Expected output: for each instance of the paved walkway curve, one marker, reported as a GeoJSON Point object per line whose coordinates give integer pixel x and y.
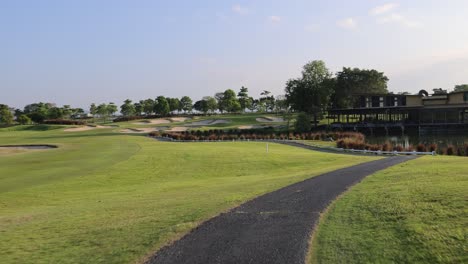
{"type": "Point", "coordinates": [272, 228]}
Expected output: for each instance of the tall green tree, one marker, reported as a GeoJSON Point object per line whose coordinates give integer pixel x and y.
{"type": "Point", "coordinates": [111, 109]}
{"type": "Point", "coordinates": [138, 107]}
{"type": "Point", "coordinates": [351, 81]}
{"type": "Point", "coordinates": [161, 106]}
{"type": "Point", "coordinates": [310, 93]}
{"type": "Point", "coordinates": [148, 106]}
{"type": "Point", "coordinates": [461, 88]}
{"type": "Point", "coordinates": [229, 102]}
{"type": "Point", "coordinates": [6, 116]}
{"type": "Point", "coordinates": [102, 110]}
{"type": "Point", "coordinates": [201, 106]}
{"type": "Point", "coordinates": [127, 109]}
{"type": "Point", "coordinates": [55, 113]}
{"type": "Point", "coordinates": [219, 99]}
{"type": "Point", "coordinates": [244, 100]}
{"type": "Point", "coordinates": [24, 120]}
{"type": "Point", "coordinates": [211, 103]}
{"type": "Point", "coordinates": [186, 104]}
{"type": "Point", "coordinates": [174, 104]}
{"type": "Point", "coordinates": [267, 100]}
{"type": "Point", "coordinates": [93, 109]}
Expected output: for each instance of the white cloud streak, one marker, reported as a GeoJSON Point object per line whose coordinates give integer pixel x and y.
{"type": "Point", "coordinates": [240, 10]}
{"type": "Point", "coordinates": [274, 19]}
{"type": "Point", "coordinates": [347, 23]}
{"type": "Point", "coordinates": [383, 9]}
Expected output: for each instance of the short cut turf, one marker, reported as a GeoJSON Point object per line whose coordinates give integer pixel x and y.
{"type": "Point", "coordinates": [415, 212]}
{"type": "Point", "coordinates": [104, 197]}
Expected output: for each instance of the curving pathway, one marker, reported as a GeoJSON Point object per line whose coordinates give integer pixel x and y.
{"type": "Point", "coordinates": [272, 228]}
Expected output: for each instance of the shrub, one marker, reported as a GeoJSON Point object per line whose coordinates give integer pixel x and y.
{"type": "Point", "coordinates": [303, 123]}
{"type": "Point", "coordinates": [450, 150]}
{"type": "Point", "coordinates": [398, 148]}
{"type": "Point", "coordinates": [421, 148]}
{"type": "Point", "coordinates": [433, 147]}
{"type": "Point", "coordinates": [466, 149]}
{"type": "Point", "coordinates": [24, 120]}
{"type": "Point", "coordinates": [460, 151]}
{"type": "Point", "coordinates": [63, 122]}
{"type": "Point", "coordinates": [386, 146]}
{"type": "Point", "coordinates": [126, 118]}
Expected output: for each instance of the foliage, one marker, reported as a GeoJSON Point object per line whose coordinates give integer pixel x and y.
{"type": "Point", "coordinates": [63, 122]}
{"type": "Point", "coordinates": [24, 120]}
{"type": "Point", "coordinates": [244, 100]}
{"type": "Point", "coordinates": [310, 93]}
{"type": "Point", "coordinates": [461, 88]}
{"type": "Point", "coordinates": [303, 123]}
{"type": "Point", "coordinates": [186, 104]}
{"type": "Point", "coordinates": [6, 116]}
{"type": "Point", "coordinates": [161, 106]}
{"type": "Point", "coordinates": [351, 81]}
{"type": "Point", "coordinates": [127, 109]}
{"type": "Point", "coordinates": [229, 102]}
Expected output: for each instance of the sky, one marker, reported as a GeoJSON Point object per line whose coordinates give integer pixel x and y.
{"type": "Point", "coordinates": [83, 51]}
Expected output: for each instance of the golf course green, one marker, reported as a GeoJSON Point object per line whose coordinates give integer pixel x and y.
{"type": "Point", "coordinates": [415, 212]}
{"type": "Point", "coordinates": [107, 197]}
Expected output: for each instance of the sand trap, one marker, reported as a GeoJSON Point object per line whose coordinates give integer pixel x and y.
{"type": "Point", "coordinates": [179, 119]}
{"type": "Point", "coordinates": [153, 121]}
{"type": "Point", "coordinates": [16, 149]}
{"type": "Point", "coordinates": [84, 128]}
{"type": "Point", "coordinates": [208, 122]}
{"type": "Point", "coordinates": [143, 130]}
{"type": "Point", "coordinates": [269, 119]}
{"type": "Point", "coordinates": [250, 127]}
{"type": "Point", "coordinates": [178, 129]}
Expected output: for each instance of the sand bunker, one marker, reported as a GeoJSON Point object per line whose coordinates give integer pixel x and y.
{"type": "Point", "coordinates": [143, 130]}
{"type": "Point", "coordinates": [178, 129]}
{"type": "Point", "coordinates": [153, 122]}
{"type": "Point", "coordinates": [208, 122]}
{"type": "Point", "coordinates": [84, 128]}
{"type": "Point", "coordinates": [16, 149]}
{"type": "Point", "coordinates": [179, 119]}
{"type": "Point", "coordinates": [250, 127]}
{"type": "Point", "coordinates": [269, 119]}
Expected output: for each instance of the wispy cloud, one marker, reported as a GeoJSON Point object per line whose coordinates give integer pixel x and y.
{"type": "Point", "coordinates": [347, 23]}
{"type": "Point", "coordinates": [274, 19]}
{"type": "Point", "coordinates": [401, 20]}
{"type": "Point", "coordinates": [383, 9]}
{"type": "Point", "coordinates": [240, 10]}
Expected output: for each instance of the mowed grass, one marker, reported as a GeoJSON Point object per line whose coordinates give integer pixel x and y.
{"type": "Point", "coordinates": [416, 212]}
{"type": "Point", "coordinates": [104, 197]}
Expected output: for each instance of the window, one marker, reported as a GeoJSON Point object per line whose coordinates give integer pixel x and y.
{"type": "Point", "coordinates": [465, 96]}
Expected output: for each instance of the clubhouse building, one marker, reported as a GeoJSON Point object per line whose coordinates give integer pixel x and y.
{"type": "Point", "coordinates": [440, 110]}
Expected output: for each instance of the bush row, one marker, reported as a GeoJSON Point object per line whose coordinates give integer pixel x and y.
{"type": "Point", "coordinates": [255, 135]}
{"type": "Point", "coordinates": [63, 122]}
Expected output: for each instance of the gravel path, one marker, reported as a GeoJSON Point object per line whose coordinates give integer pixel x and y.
{"type": "Point", "coordinates": [273, 228]}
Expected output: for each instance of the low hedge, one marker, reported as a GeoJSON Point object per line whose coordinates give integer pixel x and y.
{"type": "Point", "coordinates": [261, 134]}
{"type": "Point", "coordinates": [63, 122]}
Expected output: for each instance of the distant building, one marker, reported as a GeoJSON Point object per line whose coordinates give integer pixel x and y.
{"type": "Point", "coordinates": [439, 109]}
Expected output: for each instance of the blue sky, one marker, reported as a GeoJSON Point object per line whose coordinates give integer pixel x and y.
{"type": "Point", "coordinates": [84, 51]}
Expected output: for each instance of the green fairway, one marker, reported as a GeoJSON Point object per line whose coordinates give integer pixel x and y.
{"type": "Point", "coordinates": [415, 212]}
{"type": "Point", "coordinates": [105, 197]}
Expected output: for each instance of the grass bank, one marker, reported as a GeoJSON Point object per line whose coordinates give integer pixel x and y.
{"type": "Point", "coordinates": [415, 212]}
{"type": "Point", "coordinates": [104, 197]}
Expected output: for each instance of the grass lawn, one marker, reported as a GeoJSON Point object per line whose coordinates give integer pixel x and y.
{"type": "Point", "coordinates": [416, 212]}
{"type": "Point", "coordinates": [105, 197]}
